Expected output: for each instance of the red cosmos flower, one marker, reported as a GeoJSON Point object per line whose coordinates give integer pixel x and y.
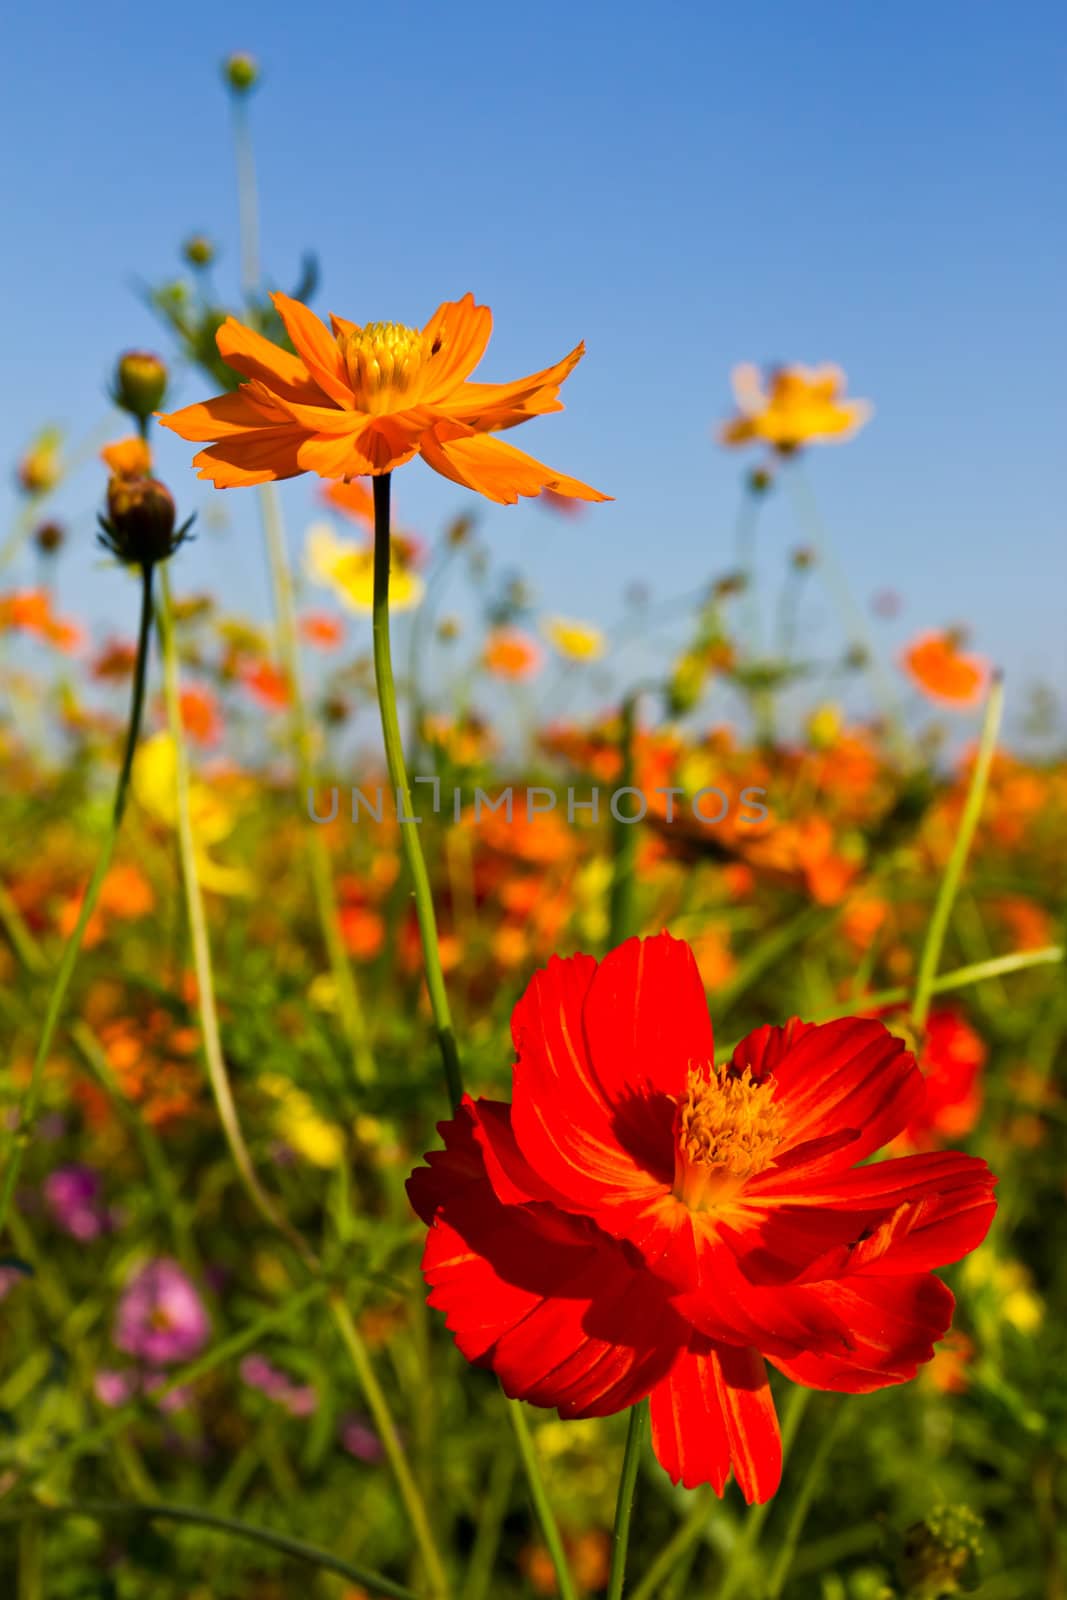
{"type": "Point", "coordinates": [639, 1221]}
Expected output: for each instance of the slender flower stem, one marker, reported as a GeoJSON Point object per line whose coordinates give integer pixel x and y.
{"type": "Point", "coordinates": [807, 513]}
{"type": "Point", "coordinates": [949, 886]}
{"type": "Point", "coordinates": [23, 1129]}
{"type": "Point", "coordinates": [739, 1571]}
{"type": "Point", "coordinates": [394, 1450]}
{"type": "Point", "coordinates": [117, 1511]}
{"type": "Point", "coordinates": [635, 1438]}
{"type": "Point", "coordinates": [802, 1504]}
{"type": "Point", "coordinates": [353, 1017]}
{"type": "Point", "coordinates": [624, 837]}
{"type": "Point", "coordinates": [677, 1547]}
{"type": "Point", "coordinates": [247, 198]}
{"type": "Point", "coordinates": [409, 828]}
{"type": "Point", "coordinates": [205, 979]}
{"type": "Point", "coordinates": [542, 1508]}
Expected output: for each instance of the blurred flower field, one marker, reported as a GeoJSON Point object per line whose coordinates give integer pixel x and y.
{"type": "Point", "coordinates": [382, 1213]}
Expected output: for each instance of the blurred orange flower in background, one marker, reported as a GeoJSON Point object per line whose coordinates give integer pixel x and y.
{"type": "Point", "coordinates": [936, 663]}
{"type": "Point", "coordinates": [791, 407]}
{"type": "Point", "coordinates": [363, 400]}
{"type": "Point", "coordinates": [510, 653]}
{"type": "Point", "coordinates": [128, 458]}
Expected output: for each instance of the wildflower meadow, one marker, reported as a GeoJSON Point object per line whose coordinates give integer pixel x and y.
{"type": "Point", "coordinates": [501, 1100]}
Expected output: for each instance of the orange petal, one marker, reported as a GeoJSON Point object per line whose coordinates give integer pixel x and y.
{"type": "Point", "coordinates": [463, 330]}
{"type": "Point", "coordinates": [253, 356]}
{"type": "Point", "coordinates": [259, 456]}
{"type": "Point", "coordinates": [498, 470]}
{"type": "Point", "coordinates": [488, 406]}
{"type": "Point", "coordinates": [319, 350]}
{"type": "Point", "coordinates": [220, 418]}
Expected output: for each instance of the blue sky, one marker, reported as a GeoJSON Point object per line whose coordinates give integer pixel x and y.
{"type": "Point", "coordinates": [683, 186]}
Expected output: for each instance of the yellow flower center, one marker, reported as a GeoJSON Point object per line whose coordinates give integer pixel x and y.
{"type": "Point", "coordinates": [727, 1127]}
{"type": "Point", "coordinates": [382, 361]}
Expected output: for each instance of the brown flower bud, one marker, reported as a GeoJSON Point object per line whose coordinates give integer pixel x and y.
{"type": "Point", "coordinates": [49, 537]}
{"type": "Point", "coordinates": [139, 527]}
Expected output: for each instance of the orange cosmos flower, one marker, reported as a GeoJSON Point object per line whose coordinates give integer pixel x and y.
{"type": "Point", "coordinates": [200, 714]}
{"type": "Point", "coordinates": [939, 667]}
{"type": "Point", "coordinates": [322, 630]}
{"type": "Point", "coordinates": [362, 400]}
{"type": "Point", "coordinates": [512, 654]}
{"type": "Point", "coordinates": [128, 458]}
{"type": "Point", "coordinates": [796, 406]}
{"type": "Point", "coordinates": [265, 683]}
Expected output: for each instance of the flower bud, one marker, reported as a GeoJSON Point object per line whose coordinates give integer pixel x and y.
{"type": "Point", "coordinates": [240, 72]}
{"type": "Point", "coordinates": [140, 383]}
{"type": "Point", "coordinates": [760, 479]}
{"type": "Point", "coordinates": [49, 537]}
{"type": "Point", "coordinates": [39, 470]}
{"type": "Point", "coordinates": [803, 558]}
{"type": "Point", "coordinates": [139, 527]}
{"type": "Point", "coordinates": [938, 1555]}
{"type": "Point", "coordinates": [198, 250]}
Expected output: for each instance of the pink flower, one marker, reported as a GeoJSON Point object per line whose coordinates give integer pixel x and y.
{"type": "Point", "coordinates": [161, 1318]}
{"type": "Point", "coordinates": [72, 1195]}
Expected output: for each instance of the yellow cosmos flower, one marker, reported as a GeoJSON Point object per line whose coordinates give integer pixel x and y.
{"type": "Point", "coordinates": [794, 406]}
{"type": "Point", "coordinates": [155, 785]}
{"type": "Point", "coordinates": [576, 641]}
{"type": "Point", "coordinates": [300, 1125]}
{"type": "Point", "coordinates": [348, 569]}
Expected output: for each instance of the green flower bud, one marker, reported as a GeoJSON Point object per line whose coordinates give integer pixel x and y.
{"type": "Point", "coordinates": [140, 383]}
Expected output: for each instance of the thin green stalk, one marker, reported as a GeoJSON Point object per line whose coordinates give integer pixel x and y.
{"type": "Point", "coordinates": [745, 548]}
{"type": "Point", "coordinates": [677, 1547]}
{"type": "Point", "coordinates": [624, 838]}
{"type": "Point", "coordinates": [542, 1509]}
{"type": "Point", "coordinates": [31, 1561]}
{"type": "Point", "coordinates": [487, 1537]}
{"type": "Point", "coordinates": [409, 828]}
{"type": "Point", "coordinates": [950, 882]}
{"type": "Point", "coordinates": [353, 1016]}
{"type": "Point", "coordinates": [947, 983]}
{"type": "Point", "coordinates": [298, 1549]}
{"type": "Point", "coordinates": [739, 1570]}
{"type": "Point", "coordinates": [21, 1133]}
{"type": "Point", "coordinates": [636, 1434]}
{"type": "Point", "coordinates": [247, 198]}
{"type": "Point", "coordinates": [807, 513]}
{"type": "Point", "coordinates": [394, 1450]}
{"type": "Point", "coordinates": [802, 1504]}
{"type": "Point", "coordinates": [202, 964]}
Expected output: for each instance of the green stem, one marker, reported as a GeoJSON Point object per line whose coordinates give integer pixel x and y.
{"type": "Point", "coordinates": [635, 1438]}
{"type": "Point", "coordinates": [353, 1017]}
{"type": "Point", "coordinates": [31, 1561]}
{"type": "Point", "coordinates": [247, 199]}
{"type": "Point", "coordinates": [409, 828]}
{"type": "Point", "coordinates": [394, 1450]}
{"type": "Point", "coordinates": [802, 1504]}
{"type": "Point", "coordinates": [677, 1547]}
{"type": "Point", "coordinates": [298, 1549]}
{"type": "Point", "coordinates": [807, 513]}
{"type": "Point", "coordinates": [542, 1509]}
{"type": "Point", "coordinates": [23, 1129]}
{"type": "Point", "coordinates": [739, 1570]}
{"type": "Point", "coordinates": [950, 883]}
{"type": "Point", "coordinates": [624, 1504]}
{"type": "Point", "coordinates": [487, 1538]}
{"type": "Point", "coordinates": [202, 963]}
{"type": "Point", "coordinates": [624, 838]}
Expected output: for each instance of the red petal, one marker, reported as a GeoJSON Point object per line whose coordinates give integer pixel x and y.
{"type": "Point", "coordinates": [894, 1323]}
{"type": "Point", "coordinates": [646, 1021]}
{"type": "Point", "coordinates": [849, 1074]}
{"type": "Point", "coordinates": [714, 1410]}
{"type": "Point", "coordinates": [553, 1306]}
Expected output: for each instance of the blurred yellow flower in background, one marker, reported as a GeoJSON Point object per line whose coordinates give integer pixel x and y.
{"type": "Point", "coordinates": [576, 641]}
{"type": "Point", "coordinates": [155, 785]}
{"type": "Point", "coordinates": [792, 406]}
{"type": "Point", "coordinates": [348, 569]}
{"type": "Point", "coordinates": [300, 1124]}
